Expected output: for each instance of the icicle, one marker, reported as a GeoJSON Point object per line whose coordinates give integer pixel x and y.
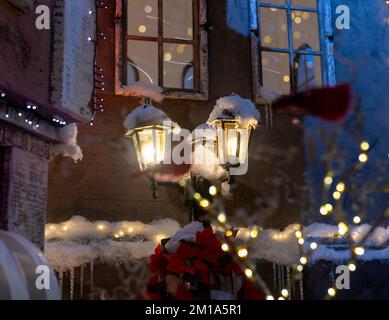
{"type": "Point", "coordinates": [288, 282]}
{"type": "Point", "coordinates": [91, 276]}
{"type": "Point", "coordinates": [82, 280]}
{"type": "Point", "coordinates": [60, 281]}
{"type": "Point", "coordinates": [71, 294]}
{"type": "Point", "coordinates": [301, 287]}
{"type": "Point", "coordinates": [274, 276]}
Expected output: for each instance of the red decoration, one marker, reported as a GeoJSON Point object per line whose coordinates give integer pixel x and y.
{"type": "Point", "coordinates": [330, 103]}
{"type": "Point", "coordinates": [192, 271]}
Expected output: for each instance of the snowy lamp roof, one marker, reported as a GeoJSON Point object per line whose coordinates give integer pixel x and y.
{"type": "Point", "coordinates": [147, 115]}
{"type": "Point", "coordinates": [235, 107]}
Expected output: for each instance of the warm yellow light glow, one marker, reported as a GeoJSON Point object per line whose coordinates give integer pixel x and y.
{"type": "Point", "coordinates": [222, 218]}
{"type": "Point", "coordinates": [298, 234]}
{"type": "Point", "coordinates": [352, 267]}
{"type": "Point", "coordinates": [148, 153]}
{"type": "Point", "coordinates": [229, 233]}
{"type": "Point", "coordinates": [254, 233]}
{"type": "Point", "coordinates": [197, 196]}
{"type": "Point", "coordinates": [168, 56]}
{"type": "Point", "coordinates": [342, 228]}
{"type": "Point", "coordinates": [281, 298]}
{"type": "Point", "coordinates": [300, 241]}
{"type": "Point", "coordinates": [359, 251]}
{"type": "Point", "coordinates": [306, 15]}
{"type": "Point", "coordinates": [297, 20]}
{"type": "Point", "coordinates": [363, 157]}
{"type": "Point", "coordinates": [269, 297]}
{"type": "Point", "coordinates": [331, 292]}
{"type": "Point", "coordinates": [337, 195]}
{"type": "Point", "coordinates": [267, 39]}
{"type": "Point", "coordinates": [213, 191]}
{"type": "Point", "coordinates": [248, 273]}
{"type": "Point", "coordinates": [329, 207]}
{"type": "Point", "coordinates": [323, 211]}
{"type": "Point", "coordinates": [313, 245]}
{"type": "Point", "coordinates": [65, 228]}
{"type": "Point", "coordinates": [101, 227]}
{"type": "Point", "coordinates": [300, 268]}
{"type": "Point", "coordinates": [130, 229]}
{"type": "Point", "coordinates": [273, 9]}
{"type": "Point", "coordinates": [116, 236]}
{"type": "Point", "coordinates": [204, 203]}
{"type": "Point", "coordinates": [142, 28]}
{"type": "Point", "coordinates": [159, 237]}
{"type": "Point", "coordinates": [328, 180]}
{"type": "Point", "coordinates": [341, 187]}
{"type": "Point", "coordinates": [357, 219]}
{"type": "Point", "coordinates": [180, 48]}
{"type": "Point", "coordinates": [242, 252]}
{"type": "Point", "coordinates": [285, 293]}
{"type": "Point", "coordinates": [232, 146]}
{"type": "Point", "coordinates": [190, 32]}
{"type": "Point", "coordinates": [225, 247]}
{"type": "Point", "coordinates": [365, 146]}
{"type": "Point", "coordinates": [303, 260]}
{"type": "Point", "coordinates": [286, 78]}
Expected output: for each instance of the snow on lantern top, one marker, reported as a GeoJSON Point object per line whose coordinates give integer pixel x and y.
{"type": "Point", "coordinates": [147, 115]}
{"type": "Point", "coordinates": [235, 107]}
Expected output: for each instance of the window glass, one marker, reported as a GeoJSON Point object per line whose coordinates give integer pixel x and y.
{"type": "Point", "coordinates": [276, 72]}
{"type": "Point", "coordinates": [142, 18]}
{"type": "Point", "coordinates": [178, 19]}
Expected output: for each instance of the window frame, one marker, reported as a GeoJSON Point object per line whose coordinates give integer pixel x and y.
{"type": "Point", "coordinates": [200, 53]}
{"type": "Point", "coordinates": [326, 52]}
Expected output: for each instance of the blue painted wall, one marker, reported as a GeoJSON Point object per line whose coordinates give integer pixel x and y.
{"type": "Point", "coordinates": [362, 59]}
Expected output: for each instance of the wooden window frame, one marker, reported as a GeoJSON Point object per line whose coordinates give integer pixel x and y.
{"type": "Point", "coordinates": [200, 52]}
{"type": "Point", "coordinates": [326, 54]}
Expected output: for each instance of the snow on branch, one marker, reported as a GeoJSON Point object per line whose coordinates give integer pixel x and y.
{"type": "Point", "coordinates": [235, 107]}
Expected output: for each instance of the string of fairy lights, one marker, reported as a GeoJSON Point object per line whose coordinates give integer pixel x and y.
{"type": "Point", "coordinates": [98, 76]}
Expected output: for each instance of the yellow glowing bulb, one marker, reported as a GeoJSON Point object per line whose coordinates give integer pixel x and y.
{"type": "Point", "coordinates": [301, 241]}
{"type": "Point", "coordinates": [212, 191]}
{"type": "Point", "coordinates": [116, 235]}
{"type": "Point", "coordinates": [363, 157]}
{"type": "Point", "coordinates": [130, 229]}
{"type": "Point", "coordinates": [204, 203]}
{"type": "Point", "coordinates": [254, 233]}
{"type": "Point", "coordinates": [331, 292]}
{"type": "Point", "coordinates": [359, 251]}
{"type": "Point", "coordinates": [100, 227]}
{"type": "Point", "coordinates": [303, 260]}
{"type": "Point", "coordinates": [222, 218]}
{"type": "Point", "coordinates": [248, 273]}
{"type": "Point", "coordinates": [340, 187]}
{"type": "Point", "coordinates": [65, 228]}
{"type": "Point", "coordinates": [121, 233]}
{"type": "Point", "coordinates": [323, 211]}
{"type": "Point", "coordinates": [313, 245]}
{"type": "Point", "coordinates": [142, 28]}
{"type": "Point", "coordinates": [365, 146]}
{"type": "Point", "coordinates": [342, 228]}
{"type": "Point", "coordinates": [269, 297]}
{"type": "Point", "coordinates": [352, 267]}
{"type": "Point", "coordinates": [306, 15]}
{"type": "Point", "coordinates": [357, 219]}
{"type": "Point", "coordinates": [229, 233]}
{"type": "Point", "coordinates": [298, 234]}
{"type": "Point", "coordinates": [286, 78]}
{"type": "Point", "coordinates": [328, 180]}
{"type": "Point", "coordinates": [329, 207]}
{"type": "Point", "coordinates": [182, 183]}
{"type": "Point", "coordinates": [281, 298]}
{"type": "Point", "coordinates": [242, 252]}
{"type": "Point", "coordinates": [337, 195]}
{"type": "Point", "coordinates": [273, 9]}
{"type": "Point", "coordinates": [284, 293]}
{"type": "Point", "coordinates": [225, 247]}
{"type": "Point", "coordinates": [300, 268]}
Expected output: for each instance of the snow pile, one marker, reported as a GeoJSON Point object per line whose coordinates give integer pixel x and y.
{"type": "Point", "coordinates": [188, 233]}
{"type": "Point", "coordinates": [78, 241]}
{"type": "Point", "coordinates": [68, 146]}
{"type": "Point", "coordinates": [205, 160]}
{"type": "Point", "coordinates": [78, 228]}
{"type": "Point", "coordinates": [146, 90]}
{"type": "Point", "coordinates": [235, 107]}
{"type": "Point", "coordinates": [148, 115]}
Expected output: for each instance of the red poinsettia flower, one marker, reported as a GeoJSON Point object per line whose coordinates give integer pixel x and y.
{"type": "Point", "coordinates": [207, 239]}
{"type": "Point", "coordinates": [250, 292]}
{"type": "Point", "coordinates": [158, 261]}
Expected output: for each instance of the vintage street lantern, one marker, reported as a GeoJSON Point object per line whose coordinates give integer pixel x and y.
{"type": "Point", "coordinates": [149, 128]}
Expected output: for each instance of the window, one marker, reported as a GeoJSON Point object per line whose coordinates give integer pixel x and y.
{"type": "Point", "coordinates": [163, 42]}
{"type": "Point", "coordinates": [294, 41]}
